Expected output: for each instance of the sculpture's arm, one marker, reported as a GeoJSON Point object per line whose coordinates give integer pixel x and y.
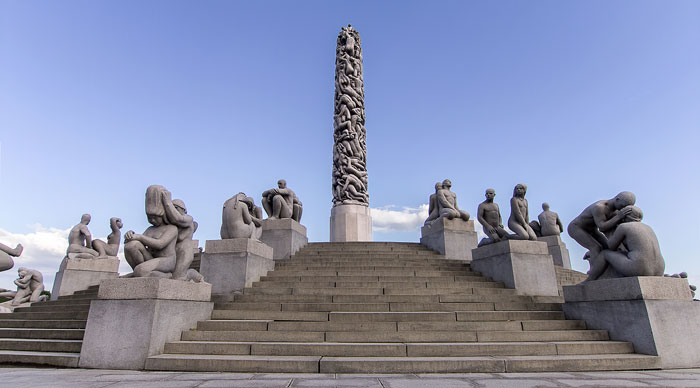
{"type": "Point", "coordinates": [181, 220]}
{"type": "Point", "coordinates": [442, 200]}
{"type": "Point", "coordinates": [157, 243]}
{"type": "Point", "coordinates": [604, 224]}
{"type": "Point", "coordinates": [247, 219]}
{"type": "Point", "coordinates": [480, 216]}
{"type": "Point", "coordinates": [560, 225]}
{"type": "Point", "coordinates": [88, 236]}
{"type": "Point", "coordinates": [616, 239]}
{"type": "Point", "coordinates": [500, 219]}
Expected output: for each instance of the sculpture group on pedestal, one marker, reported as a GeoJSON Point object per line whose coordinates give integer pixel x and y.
{"type": "Point", "coordinates": [166, 248]}
{"type": "Point", "coordinates": [241, 218]}
{"type": "Point", "coordinates": [443, 204]}
{"type": "Point", "coordinates": [82, 246]}
{"type": "Point", "coordinates": [30, 285]}
{"type": "Point", "coordinates": [281, 202]}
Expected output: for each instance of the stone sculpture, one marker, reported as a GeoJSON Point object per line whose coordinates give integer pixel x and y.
{"type": "Point", "coordinates": [6, 261]}
{"type": "Point", "coordinates": [433, 205]}
{"type": "Point", "coordinates": [518, 220]}
{"type": "Point", "coordinates": [549, 222]}
{"type": "Point", "coordinates": [489, 216]}
{"type": "Point", "coordinates": [30, 285]}
{"type": "Point", "coordinates": [590, 228]}
{"type": "Point", "coordinates": [445, 201]}
{"type": "Point", "coordinates": [349, 150]}
{"type": "Point", "coordinates": [282, 202]}
{"type": "Point", "coordinates": [80, 241]}
{"type": "Point", "coordinates": [633, 250]}
{"type": "Point", "coordinates": [241, 218]}
{"type": "Point", "coordinates": [165, 249]}
{"type": "Point", "coordinates": [111, 247]}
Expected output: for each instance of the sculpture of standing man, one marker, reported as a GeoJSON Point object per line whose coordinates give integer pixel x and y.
{"type": "Point", "coordinates": [282, 202]}
{"type": "Point", "coordinates": [518, 220]}
{"type": "Point", "coordinates": [489, 216]}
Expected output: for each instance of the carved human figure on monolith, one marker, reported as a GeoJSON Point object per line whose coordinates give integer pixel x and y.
{"type": "Point", "coordinates": [111, 247]}
{"type": "Point", "coordinates": [6, 261]}
{"type": "Point", "coordinates": [153, 253]}
{"type": "Point", "coordinates": [550, 224]}
{"type": "Point", "coordinates": [433, 205]}
{"type": "Point", "coordinates": [80, 241]}
{"type": "Point", "coordinates": [489, 216]}
{"type": "Point", "coordinates": [519, 216]}
{"type": "Point", "coordinates": [241, 218]}
{"type": "Point", "coordinates": [281, 202]}
{"type": "Point", "coordinates": [598, 220]}
{"type": "Point", "coordinates": [633, 249]}
{"type": "Point", "coordinates": [30, 285]}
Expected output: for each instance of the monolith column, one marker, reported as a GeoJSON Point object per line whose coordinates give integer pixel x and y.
{"type": "Point", "coordinates": [350, 215]}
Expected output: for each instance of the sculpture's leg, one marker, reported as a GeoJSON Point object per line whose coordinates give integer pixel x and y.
{"type": "Point", "coordinates": [8, 294]}
{"type": "Point", "coordinates": [184, 252]}
{"type": "Point", "coordinates": [624, 264]}
{"type": "Point", "coordinates": [75, 248]}
{"type": "Point", "coordinates": [464, 215]}
{"type": "Point", "coordinates": [520, 232]}
{"type": "Point", "coordinates": [281, 208]}
{"type": "Point", "coordinates": [296, 213]}
{"type": "Point", "coordinates": [585, 239]}
{"type": "Point", "coordinates": [6, 263]}
{"type": "Point", "coordinates": [21, 296]}
{"type": "Point", "coordinates": [267, 205]}
{"type": "Point", "coordinates": [36, 293]}
{"type": "Point", "coordinates": [100, 246]}
{"type": "Point", "coordinates": [161, 267]}
{"type": "Point", "coordinates": [136, 253]}
{"type": "Point", "coordinates": [598, 266]}
{"type": "Point", "coordinates": [10, 251]}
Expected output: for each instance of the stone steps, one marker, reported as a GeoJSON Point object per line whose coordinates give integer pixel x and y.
{"type": "Point", "coordinates": [53, 358]}
{"type": "Point", "coordinates": [389, 308]}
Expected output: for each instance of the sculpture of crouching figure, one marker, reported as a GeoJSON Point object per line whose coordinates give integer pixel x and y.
{"type": "Point", "coordinates": [241, 218]}
{"type": "Point", "coordinates": [282, 202]}
{"type": "Point", "coordinates": [30, 285]}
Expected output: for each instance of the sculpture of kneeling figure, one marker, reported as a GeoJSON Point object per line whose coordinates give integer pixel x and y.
{"type": "Point", "coordinates": [639, 253]}
{"type": "Point", "coordinates": [241, 218]}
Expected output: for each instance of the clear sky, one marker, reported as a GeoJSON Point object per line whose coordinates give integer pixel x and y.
{"type": "Point", "coordinates": [579, 100]}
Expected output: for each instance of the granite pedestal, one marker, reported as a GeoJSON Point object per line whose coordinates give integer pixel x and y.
{"type": "Point", "coordinates": [133, 318]}
{"type": "Point", "coordinates": [285, 236]}
{"type": "Point", "coordinates": [351, 223]}
{"type": "Point", "coordinates": [523, 265]}
{"type": "Point", "coordinates": [232, 264]}
{"type": "Point", "coordinates": [453, 238]}
{"type": "Point", "coordinates": [655, 313]}
{"type": "Point", "coordinates": [557, 249]}
{"type": "Point", "coordinates": [79, 274]}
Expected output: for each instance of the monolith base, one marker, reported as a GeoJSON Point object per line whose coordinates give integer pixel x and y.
{"type": "Point", "coordinates": [231, 265]}
{"type": "Point", "coordinates": [523, 265]}
{"type": "Point", "coordinates": [285, 236]}
{"type": "Point", "coordinates": [79, 274]}
{"type": "Point", "coordinates": [133, 318]}
{"type": "Point", "coordinates": [655, 313]}
{"type": "Point", "coordinates": [351, 223]}
{"type": "Point", "coordinates": [453, 238]}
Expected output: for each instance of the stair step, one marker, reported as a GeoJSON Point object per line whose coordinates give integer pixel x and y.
{"type": "Point", "coordinates": [43, 324]}
{"type": "Point", "coordinates": [68, 360]}
{"type": "Point", "coordinates": [41, 345]}
{"type": "Point", "coordinates": [75, 334]}
{"type": "Point", "coordinates": [233, 363]}
{"type": "Point", "coordinates": [270, 315]}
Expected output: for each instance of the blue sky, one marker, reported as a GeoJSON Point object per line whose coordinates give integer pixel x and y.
{"type": "Point", "coordinates": [579, 100]}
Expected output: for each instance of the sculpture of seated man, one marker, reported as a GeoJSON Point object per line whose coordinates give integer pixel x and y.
{"type": "Point", "coordinates": [446, 202]}
{"type": "Point", "coordinates": [433, 205]}
{"type": "Point", "coordinates": [6, 262]}
{"type": "Point", "coordinates": [282, 202]}
{"type": "Point", "coordinates": [518, 220]}
{"type": "Point", "coordinates": [241, 218]}
{"type": "Point", "coordinates": [80, 241]}
{"type": "Point", "coordinates": [153, 253]}
{"type": "Point", "coordinates": [111, 247]}
{"type": "Point", "coordinates": [600, 217]}
{"type": "Point", "coordinates": [30, 285]}
{"type": "Point", "coordinates": [633, 249]}
{"type": "Point", "coordinates": [489, 216]}
{"type": "Point", "coordinates": [550, 224]}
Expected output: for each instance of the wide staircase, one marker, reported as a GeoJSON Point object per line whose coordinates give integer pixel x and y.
{"type": "Point", "coordinates": [389, 308]}
{"type": "Point", "coordinates": [46, 333]}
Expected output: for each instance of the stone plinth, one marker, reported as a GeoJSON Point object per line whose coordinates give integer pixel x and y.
{"type": "Point", "coordinates": [133, 318]}
{"type": "Point", "coordinates": [285, 236]}
{"type": "Point", "coordinates": [79, 274]}
{"type": "Point", "coordinates": [351, 223]}
{"type": "Point", "coordinates": [523, 265]}
{"type": "Point", "coordinates": [233, 264]}
{"type": "Point", "coordinates": [453, 238]}
{"type": "Point", "coordinates": [557, 248]}
{"type": "Point", "coordinates": [654, 313]}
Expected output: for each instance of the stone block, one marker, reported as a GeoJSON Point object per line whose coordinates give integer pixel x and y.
{"type": "Point", "coordinates": [654, 313]}
{"type": "Point", "coordinates": [123, 333]}
{"type": "Point", "coordinates": [454, 238]}
{"type": "Point", "coordinates": [79, 274]}
{"type": "Point", "coordinates": [525, 266]}
{"type": "Point", "coordinates": [351, 223]}
{"type": "Point", "coordinates": [233, 264]}
{"type": "Point", "coordinates": [285, 236]}
{"type": "Point", "coordinates": [558, 251]}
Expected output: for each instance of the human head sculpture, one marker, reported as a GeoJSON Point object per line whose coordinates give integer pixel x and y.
{"type": "Point", "coordinates": [155, 210]}
{"type": "Point", "coordinates": [635, 214]}
{"type": "Point", "coordinates": [180, 206]}
{"type": "Point", "coordinates": [438, 186]}
{"type": "Point", "coordinates": [446, 184]}
{"type": "Point", "coordinates": [116, 223]}
{"type": "Point", "coordinates": [623, 199]}
{"type": "Point", "coordinates": [490, 194]}
{"type": "Point", "coordinates": [545, 206]}
{"type": "Point", "coordinates": [282, 184]}
{"type": "Point", "coordinates": [519, 190]}
{"type": "Point", "coordinates": [85, 219]}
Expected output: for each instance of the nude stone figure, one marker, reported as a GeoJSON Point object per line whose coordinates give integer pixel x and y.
{"type": "Point", "coordinates": [282, 202]}
{"type": "Point", "coordinates": [6, 261]}
{"type": "Point", "coordinates": [153, 253]}
{"type": "Point", "coordinates": [447, 201]}
{"type": "Point", "coordinates": [111, 247]}
{"type": "Point", "coordinates": [176, 212]}
{"type": "Point", "coordinates": [550, 224]}
{"type": "Point", "coordinates": [633, 249]}
{"type": "Point", "coordinates": [601, 217]}
{"type": "Point", "coordinates": [489, 216]}
{"type": "Point", "coordinates": [518, 220]}
{"type": "Point", "coordinates": [433, 205]}
{"type": "Point", "coordinates": [241, 218]}
{"type": "Point", "coordinates": [80, 241]}
{"type": "Point", "coordinates": [30, 285]}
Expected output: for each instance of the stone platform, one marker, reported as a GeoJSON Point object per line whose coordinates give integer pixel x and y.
{"type": "Point", "coordinates": [79, 274]}
{"type": "Point", "coordinates": [558, 251]}
{"type": "Point", "coordinates": [453, 238]}
{"type": "Point", "coordinates": [351, 223]}
{"type": "Point", "coordinates": [285, 236]}
{"type": "Point", "coordinates": [233, 264]}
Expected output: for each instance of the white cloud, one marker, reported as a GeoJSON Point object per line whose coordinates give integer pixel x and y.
{"type": "Point", "coordinates": [388, 220]}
